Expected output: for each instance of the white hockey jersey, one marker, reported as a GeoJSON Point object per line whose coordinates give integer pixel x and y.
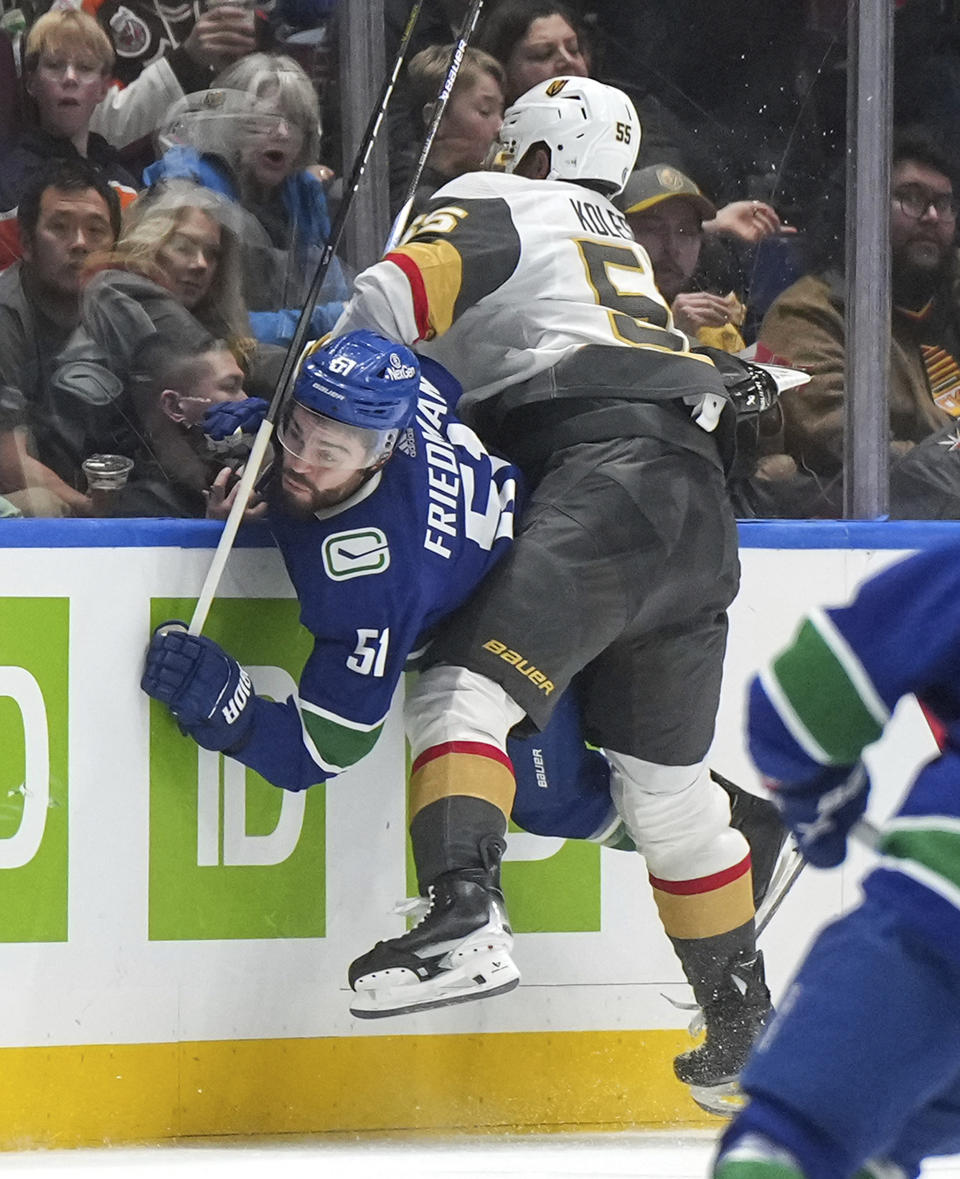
{"type": "Point", "coordinates": [504, 277]}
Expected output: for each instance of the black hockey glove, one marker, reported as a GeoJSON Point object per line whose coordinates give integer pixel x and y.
{"type": "Point", "coordinates": [752, 388]}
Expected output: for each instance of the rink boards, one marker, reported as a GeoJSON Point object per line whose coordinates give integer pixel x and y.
{"type": "Point", "coordinates": [174, 933]}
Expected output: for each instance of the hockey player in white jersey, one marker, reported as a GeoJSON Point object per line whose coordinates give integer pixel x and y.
{"type": "Point", "coordinates": [526, 282]}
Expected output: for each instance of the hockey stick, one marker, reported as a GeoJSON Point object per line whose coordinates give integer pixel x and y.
{"type": "Point", "coordinates": [865, 833]}
{"type": "Point", "coordinates": [400, 221]}
{"type": "Point", "coordinates": [785, 877]}
{"type": "Point", "coordinates": [285, 380]}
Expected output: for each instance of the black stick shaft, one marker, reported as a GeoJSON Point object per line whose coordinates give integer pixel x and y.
{"type": "Point", "coordinates": [469, 24]}
{"type": "Point", "coordinates": [302, 330]}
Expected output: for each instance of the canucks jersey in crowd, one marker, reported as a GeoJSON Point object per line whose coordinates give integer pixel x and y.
{"type": "Point", "coordinates": [863, 1063]}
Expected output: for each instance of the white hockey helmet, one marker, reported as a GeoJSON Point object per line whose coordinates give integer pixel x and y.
{"type": "Point", "coordinates": [591, 129]}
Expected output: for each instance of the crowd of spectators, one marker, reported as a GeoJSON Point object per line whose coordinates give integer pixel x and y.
{"type": "Point", "coordinates": [168, 174]}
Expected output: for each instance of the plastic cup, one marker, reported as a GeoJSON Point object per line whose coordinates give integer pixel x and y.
{"type": "Point", "coordinates": [106, 475]}
{"type": "Point", "coordinates": [107, 472]}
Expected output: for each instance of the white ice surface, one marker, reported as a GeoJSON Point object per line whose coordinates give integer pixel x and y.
{"type": "Point", "coordinates": [641, 1155]}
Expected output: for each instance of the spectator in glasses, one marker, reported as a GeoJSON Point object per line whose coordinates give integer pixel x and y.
{"type": "Point", "coordinates": [805, 327]}
{"type": "Point", "coordinates": [254, 139]}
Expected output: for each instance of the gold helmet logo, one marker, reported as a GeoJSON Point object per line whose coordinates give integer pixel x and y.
{"type": "Point", "coordinates": [671, 179]}
{"type": "Point", "coordinates": [556, 86]}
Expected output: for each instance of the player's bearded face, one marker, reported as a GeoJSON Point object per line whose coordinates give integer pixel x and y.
{"type": "Point", "coordinates": [322, 462]}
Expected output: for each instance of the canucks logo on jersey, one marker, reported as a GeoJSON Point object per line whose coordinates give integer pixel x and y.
{"type": "Point", "coordinates": [357, 553]}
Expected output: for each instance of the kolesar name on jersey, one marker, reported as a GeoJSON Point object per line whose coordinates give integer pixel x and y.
{"type": "Point", "coordinates": [605, 222]}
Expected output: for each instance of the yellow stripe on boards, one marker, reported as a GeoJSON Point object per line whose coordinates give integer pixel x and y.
{"type": "Point", "coordinates": [79, 1096]}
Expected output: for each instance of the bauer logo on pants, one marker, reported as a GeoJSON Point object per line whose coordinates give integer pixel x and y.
{"type": "Point", "coordinates": [232, 856]}
{"type": "Point", "coordinates": [34, 657]}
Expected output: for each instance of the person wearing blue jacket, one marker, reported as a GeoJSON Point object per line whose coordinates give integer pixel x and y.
{"type": "Point", "coordinates": [252, 139]}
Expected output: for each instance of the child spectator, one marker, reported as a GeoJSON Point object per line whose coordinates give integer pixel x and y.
{"type": "Point", "coordinates": [67, 68]}
{"type": "Point", "coordinates": [469, 126]}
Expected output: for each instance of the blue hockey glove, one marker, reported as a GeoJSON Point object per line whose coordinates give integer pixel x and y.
{"type": "Point", "coordinates": [821, 812]}
{"type": "Point", "coordinates": [234, 417]}
{"type": "Point", "coordinates": [207, 691]}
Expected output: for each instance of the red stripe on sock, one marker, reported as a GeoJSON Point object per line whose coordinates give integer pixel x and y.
{"type": "Point", "coordinates": [703, 883]}
{"type": "Point", "coordinates": [476, 748]}
{"type": "Point", "coordinates": [421, 305]}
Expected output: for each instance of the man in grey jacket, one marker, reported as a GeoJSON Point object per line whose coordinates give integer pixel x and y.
{"type": "Point", "coordinates": [68, 213]}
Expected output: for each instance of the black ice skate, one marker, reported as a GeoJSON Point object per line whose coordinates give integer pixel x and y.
{"type": "Point", "coordinates": [459, 951]}
{"type": "Point", "coordinates": [735, 1013]}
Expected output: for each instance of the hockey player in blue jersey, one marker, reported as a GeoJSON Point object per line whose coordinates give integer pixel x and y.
{"type": "Point", "coordinates": [388, 511]}
{"type": "Point", "coordinates": [859, 1074]}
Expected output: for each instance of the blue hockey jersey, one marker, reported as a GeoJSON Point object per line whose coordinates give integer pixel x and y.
{"type": "Point", "coordinates": [828, 695]}
{"type": "Point", "coordinates": [861, 1062]}
{"type": "Point", "coordinates": [373, 576]}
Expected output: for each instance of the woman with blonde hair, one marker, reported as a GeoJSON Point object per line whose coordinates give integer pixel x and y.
{"type": "Point", "coordinates": [173, 280]}
{"type": "Point", "coordinates": [184, 238]}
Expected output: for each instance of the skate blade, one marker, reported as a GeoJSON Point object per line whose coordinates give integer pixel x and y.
{"type": "Point", "coordinates": [724, 1100]}
{"type": "Point", "coordinates": [482, 977]}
